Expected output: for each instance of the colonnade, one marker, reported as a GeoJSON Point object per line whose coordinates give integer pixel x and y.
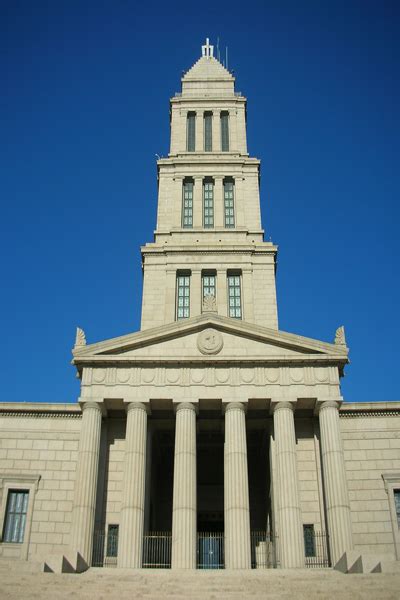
{"type": "Point", "coordinates": [236, 488]}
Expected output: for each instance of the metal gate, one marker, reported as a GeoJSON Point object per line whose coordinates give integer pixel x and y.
{"type": "Point", "coordinates": [263, 550]}
{"type": "Point", "coordinates": [210, 550]}
{"type": "Point", "coordinates": [157, 547]}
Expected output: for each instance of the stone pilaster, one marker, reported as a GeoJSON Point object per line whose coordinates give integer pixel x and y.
{"type": "Point", "coordinates": [236, 490]}
{"type": "Point", "coordinates": [218, 202]}
{"type": "Point", "coordinates": [130, 545]}
{"type": "Point", "coordinates": [184, 512]}
{"type": "Point", "coordinates": [86, 481]}
{"type": "Point", "coordinates": [198, 202]}
{"type": "Point", "coordinates": [289, 524]}
{"type": "Point", "coordinates": [335, 483]}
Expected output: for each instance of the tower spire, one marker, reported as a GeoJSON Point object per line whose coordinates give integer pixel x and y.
{"type": "Point", "coordinates": [207, 50]}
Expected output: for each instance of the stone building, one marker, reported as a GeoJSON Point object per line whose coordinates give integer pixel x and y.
{"type": "Point", "coordinates": [209, 438]}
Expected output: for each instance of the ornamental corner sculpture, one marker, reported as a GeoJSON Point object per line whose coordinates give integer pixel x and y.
{"type": "Point", "coordinates": [340, 338]}
{"type": "Point", "coordinates": [80, 339]}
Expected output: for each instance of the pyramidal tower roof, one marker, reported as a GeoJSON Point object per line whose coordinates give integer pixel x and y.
{"type": "Point", "coordinates": [207, 75]}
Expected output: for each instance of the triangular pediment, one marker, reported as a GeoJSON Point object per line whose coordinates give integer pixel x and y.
{"type": "Point", "coordinates": [209, 337]}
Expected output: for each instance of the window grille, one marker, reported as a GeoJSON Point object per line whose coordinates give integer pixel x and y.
{"type": "Point", "coordinates": [17, 507]}
{"type": "Point", "coordinates": [112, 541]}
{"type": "Point", "coordinates": [225, 132]}
{"type": "Point", "coordinates": [183, 296]}
{"type": "Point", "coordinates": [191, 132]}
{"type": "Point", "coordinates": [309, 542]}
{"type": "Point", "coordinates": [187, 211]}
{"type": "Point", "coordinates": [234, 297]}
{"type": "Point", "coordinates": [208, 204]}
{"type": "Point", "coordinates": [229, 210]}
{"type": "Point", "coordinates": [208, 132]}
{"type": "Point", "coordinates": [397, 505]}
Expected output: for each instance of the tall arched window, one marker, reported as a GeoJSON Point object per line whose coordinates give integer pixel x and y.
{"type": "Point", "coordinates": [191, 132]}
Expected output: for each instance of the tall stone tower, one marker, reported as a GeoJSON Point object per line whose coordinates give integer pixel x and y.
{"type": "Point", "coordinates": [202, 400]}
{"type": "Point", "coordinates": [208, 252]}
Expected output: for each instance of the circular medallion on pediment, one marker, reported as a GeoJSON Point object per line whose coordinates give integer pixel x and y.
{"type": "Point", "coordinates": [321, 374]}
{"type": "Point", "coordinates": [209, 341]}
{"type": "Point", "coordinates": [123, 375]}
{"type": "Point", "coordinates": [172, 375]}
{"type": "Point", "coordinates": [296, 374]}
{"type": "Point", "coordinates": [272, 374]}
{"type": "Point", "coordinates": [99, 375]}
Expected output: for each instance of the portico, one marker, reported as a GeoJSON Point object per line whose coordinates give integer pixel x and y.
{"type": "Point", "coordinates": [233, 409]}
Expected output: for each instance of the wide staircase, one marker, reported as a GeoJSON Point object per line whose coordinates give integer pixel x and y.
{"type": "Point", "coordinates": [25, 580]}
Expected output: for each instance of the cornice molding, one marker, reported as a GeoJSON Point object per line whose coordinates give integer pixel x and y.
{"type": "Point", "coordinates": [309, 349]}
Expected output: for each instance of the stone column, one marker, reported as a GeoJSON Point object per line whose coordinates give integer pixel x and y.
{"type": "Point", "coordinates": [290, 530]}
{"type": "Point", "coordinates": [335, 483]}
{"type": "Point", "coordinates": [130, 546]}
{"type": "Point", "coordinates": [184, 512]}
{"type": "Point", "coordinates": [236, 490]}
{"type": "Point", "coordinates": [86, 481]}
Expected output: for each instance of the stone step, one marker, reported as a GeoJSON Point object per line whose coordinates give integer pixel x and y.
{"type": "Point", "coordinates": [23, 566]}
{"type": "Point", "coordinates": [71, 562]}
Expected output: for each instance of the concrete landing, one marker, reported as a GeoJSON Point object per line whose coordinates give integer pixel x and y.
{"type": "Point", "coordinates": [120, 584]}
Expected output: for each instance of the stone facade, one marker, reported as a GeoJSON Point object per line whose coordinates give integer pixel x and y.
{"type": "Point", "coordinates": [209, 430]}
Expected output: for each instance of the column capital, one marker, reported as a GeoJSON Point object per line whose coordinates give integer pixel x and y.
{"type": "Point", "coordinates": [185, 406]}
{"type": "Point", "coordinates": [328, 403]}
{"type": "Point", "coordinates": [234, 406]}
{"type": "Point", "coordinates": [137, 406]}
{"type": "Point", "coordinates": [281, 404]}
{"type": "Point", "coordinates": [93, 404]}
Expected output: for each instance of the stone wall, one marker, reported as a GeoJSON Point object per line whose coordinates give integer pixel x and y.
{"type": "Point", "coordinates": [38, 452]}
{"type": "Point", "coordinates": [371, 442]}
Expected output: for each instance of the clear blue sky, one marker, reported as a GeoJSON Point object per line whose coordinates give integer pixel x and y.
{"type": "Point", "coordinates": [84, 108]}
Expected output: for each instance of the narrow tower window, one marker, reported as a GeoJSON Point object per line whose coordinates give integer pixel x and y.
{"type": "Point", "coordinates": [209, 284]}
{"type": "Point", "coordinates": [17, 507]}
{"type": "Point", "coordinates": [183, 295]}
{"type": "Point", "coordinates": [229, 210]}
{"type": "Point", "coordinates": [208, 204]}
{"type": "Point", "coordinates": [225, 131]}
{"type": "Point", "coordinates": [208, 132]}
{"type": "Point", "coordinates": [191, 132]}
{"type": "Point", "coordinates": [234, 296]}
{"type": "Point", "coordinates": [187, 205]}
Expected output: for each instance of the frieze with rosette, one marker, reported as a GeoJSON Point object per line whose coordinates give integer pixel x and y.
{"type": "Point", "coordinates": [208, 375]}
